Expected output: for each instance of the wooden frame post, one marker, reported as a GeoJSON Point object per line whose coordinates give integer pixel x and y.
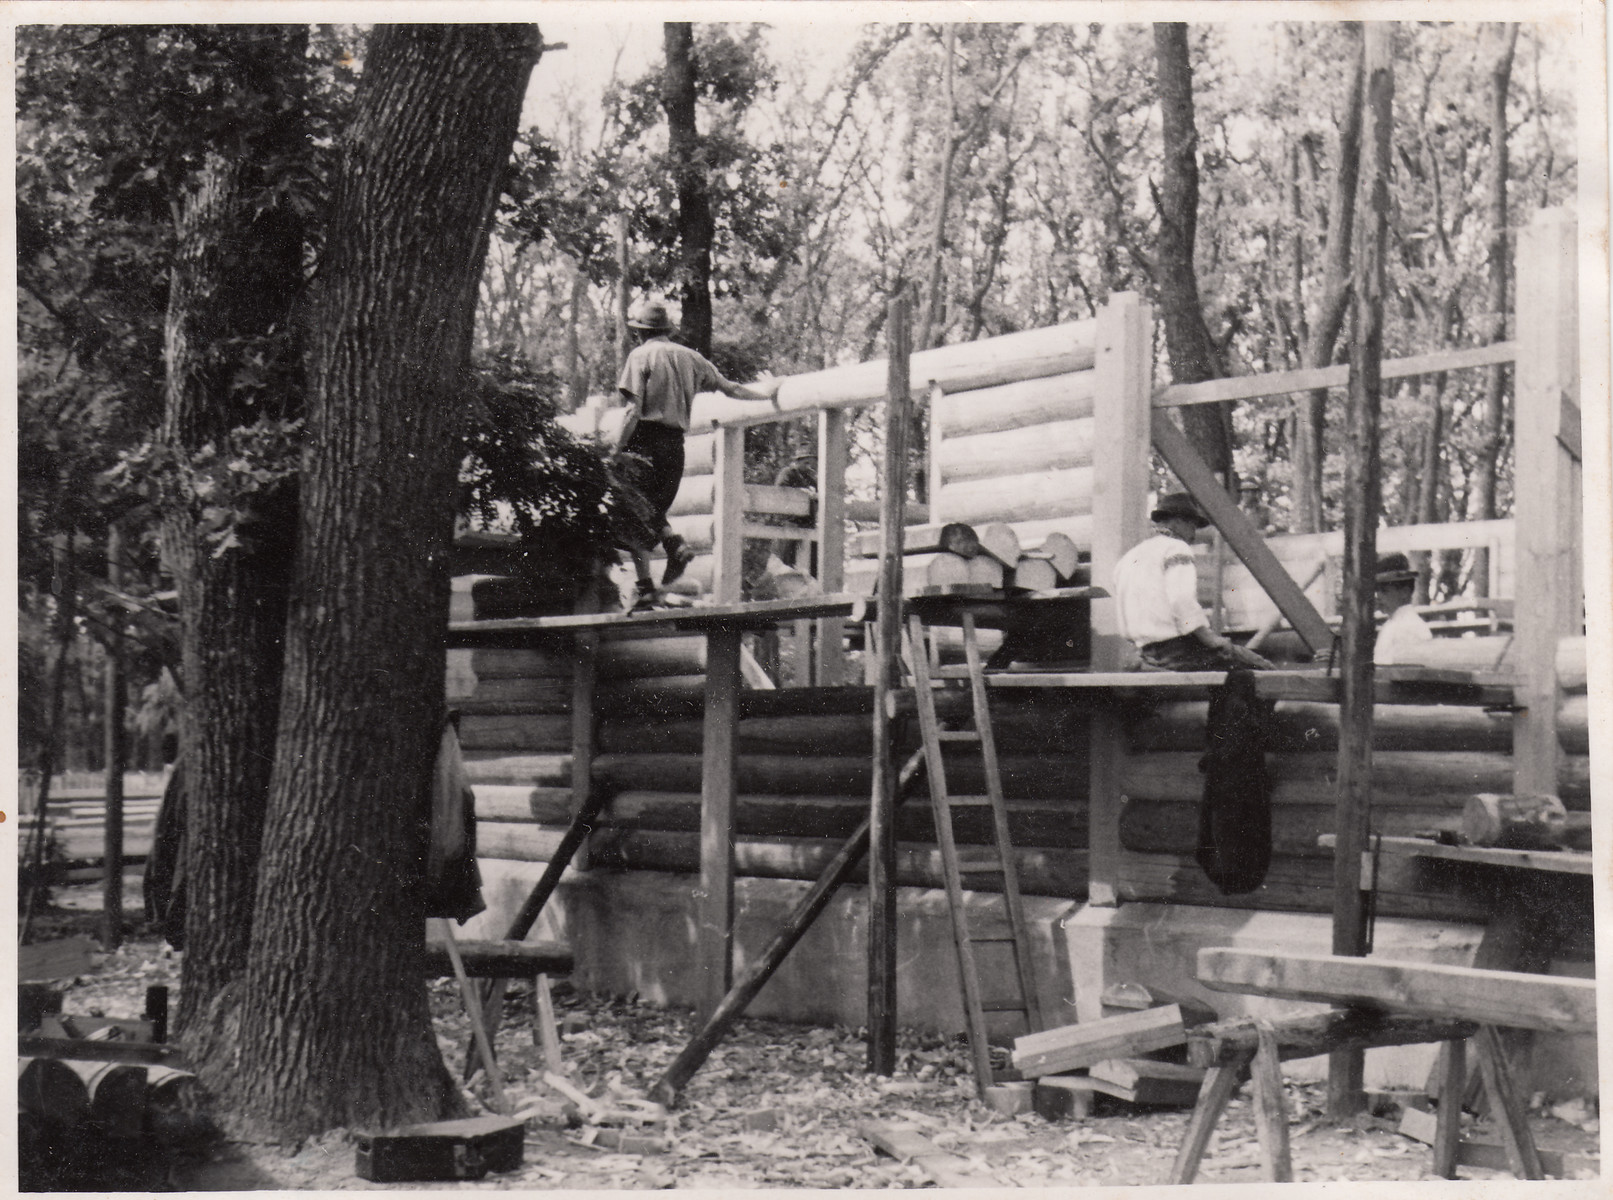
{"type": "Point", "coordinates": [728, 515]}
{"type": "Point", "coordinates": [584, 672]}
{"type": "Point", "coordinates": [833, 449]}
{"type": "Point", "coordinates": [116, 759]}
{"type": "Point", "coordinates": [882, 804]}
{"type": "Point", "coordinates": [1121, 412]}
{"type": "Point", "coordinates": [1362, 503]}
{"type": "Point", "coordinates": [718, 758]}
{"type": "Point", "coordinates": [1550, 592]}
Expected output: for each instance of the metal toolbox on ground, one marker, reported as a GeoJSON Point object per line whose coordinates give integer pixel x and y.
{"type": "Point", "coordinates": [440, 1150]}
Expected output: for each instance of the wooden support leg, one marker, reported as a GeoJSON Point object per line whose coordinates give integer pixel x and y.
{"type": "Point", "coordinates": [1509, 1113]}
{"type": "Point", "coordinates": [490, 1012]}
{"type": "Point", "coordinates": [543, 1015]}
{"type": "Point", "coordinates": [1452, 1068]}
{"type": "Point", "coordinates": [1214, 1094]}
{"type": "Point", "coordinates": [1271, 1111]}
{"type": "Point", "coordinates": [716, 934]}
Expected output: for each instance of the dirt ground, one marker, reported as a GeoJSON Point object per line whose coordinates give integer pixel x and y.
{"type": "Point", "coordinates": [776, 1105]}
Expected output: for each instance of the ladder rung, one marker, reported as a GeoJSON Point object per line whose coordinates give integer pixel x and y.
{"type": "Point", "coordinates": [959, 735]}
{"type": "Point", "coordinates": [1004, 939]}
{"type": "Point", "coordinates": [969, 801]}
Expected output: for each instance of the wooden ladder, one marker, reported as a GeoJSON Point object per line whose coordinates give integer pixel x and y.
{"type": "Point", "coordinates": [997, 859]}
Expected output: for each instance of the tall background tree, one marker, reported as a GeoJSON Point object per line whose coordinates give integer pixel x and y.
{"type": "Point", "coordinates": [1194, 355]}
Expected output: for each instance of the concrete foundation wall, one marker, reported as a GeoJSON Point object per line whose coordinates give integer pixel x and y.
{"type": "Point", "coordinates": [634, 934]}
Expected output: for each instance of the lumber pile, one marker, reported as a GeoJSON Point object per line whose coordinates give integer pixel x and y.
{"type": "Point", "coordinates": [1070, 1047]}
{"type": "Point", "coordinates": [1527, 822]}
{"type": "Point", "coordinates": [101, 1077]}
{"type": "Point", "coordinates": [954, 554]}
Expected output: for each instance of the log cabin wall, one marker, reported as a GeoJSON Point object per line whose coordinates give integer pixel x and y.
{"type": "Point", "coordinates": [804, 778]}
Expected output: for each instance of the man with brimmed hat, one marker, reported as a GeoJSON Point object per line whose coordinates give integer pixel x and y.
{"type": "Point", "coordinates": [1405, 631]}
{"type": "Point", "coordinates": [1156, 592]}
{"type": "Point", "coordinates": [659, 381]}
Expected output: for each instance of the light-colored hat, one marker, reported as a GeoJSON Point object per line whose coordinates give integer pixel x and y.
{"type": "Point", "coordinates": [650, 314]}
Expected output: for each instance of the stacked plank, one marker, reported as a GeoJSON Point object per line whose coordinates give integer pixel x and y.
{"type": "Point", "coordinates": [1108, 1056]}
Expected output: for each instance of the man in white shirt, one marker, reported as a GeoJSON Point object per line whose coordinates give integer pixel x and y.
{"type": "Point", "coordinates": [1156, 587]}
{"type": "Point", "coordinates": [1405, 631]}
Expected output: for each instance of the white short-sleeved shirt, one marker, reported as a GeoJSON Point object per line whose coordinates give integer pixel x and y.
{"type": "Point", "coordinates": [1156, 591]}
{"type": "Point", "coordinates": [1400, 637]}
{"type": "Point", "coordinates": [664, 378]}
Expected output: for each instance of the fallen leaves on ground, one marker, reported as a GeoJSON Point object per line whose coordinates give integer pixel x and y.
{"type": "Point", "coordinates": [779, 1105]}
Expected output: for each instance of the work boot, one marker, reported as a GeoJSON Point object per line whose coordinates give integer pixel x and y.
{"type": "Point", "coordinates": [648, 599]}
{"type": "Point", "coordinates": [678, 558]}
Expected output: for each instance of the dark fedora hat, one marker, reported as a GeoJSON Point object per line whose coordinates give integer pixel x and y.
{"type": "Point", "coordinates": [1180, 504]}
{"type": "Point", "coordinates": [1393, 568]}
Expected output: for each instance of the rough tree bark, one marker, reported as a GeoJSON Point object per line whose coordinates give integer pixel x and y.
{"type": "Point", "coordinates": [1309, 409]}
{"type": "Point", "coordinates": [236, 278]}
{"type": "Point", "coordinates": [696, 229]}
{"type": "Point", "coordinates": [1193, 354]}
{"type": "Point", "coordinates": [1487, 470]}
{"type": "Point", "coordinates": [334, 1024]}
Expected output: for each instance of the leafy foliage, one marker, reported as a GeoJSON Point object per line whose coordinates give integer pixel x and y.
{"type": "Point", "coordinates": [521, 468]}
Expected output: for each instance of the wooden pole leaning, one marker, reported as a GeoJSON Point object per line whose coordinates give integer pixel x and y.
{"type": "Point", "coordinates": [1362, 504]}
{"type": "Point", "coordinates": [882, 803]}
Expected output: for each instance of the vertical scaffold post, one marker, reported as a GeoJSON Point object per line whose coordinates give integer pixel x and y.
{"type": "Point", "coordinates": [833, 448]}
{"type": "Point", "coordinates": [1362, 505]}
{"type": "Point", "coordinates": [1121, 416]}
{"type": "Point", "coordinates": [1550, 593]}
{"type": "Point", "coordinates": [882, 803]}
{"type": "Point", "coordinates": [728, 515]}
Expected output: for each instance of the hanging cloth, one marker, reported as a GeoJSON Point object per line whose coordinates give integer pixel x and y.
{"type": "Point", "coordinates": [1234, 845]}
{"type": "Point", "coordinates": [453, 882]}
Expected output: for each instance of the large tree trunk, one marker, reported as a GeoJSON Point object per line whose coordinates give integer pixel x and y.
{"type": "Point", "coordinates": [334, 1024]}
{"type": "Point", "coordinates": [1489, 456]}
{"type": "Point", "coordinates": [696, 230]}
{"type": "Point", "coordinates": [1193, 354]}
{"type": "Point", "coordinates": [235, 280]}
{"type": "Point", "coordinates": [1309, 409]}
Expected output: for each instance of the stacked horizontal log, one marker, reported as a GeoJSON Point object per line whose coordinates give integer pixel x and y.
{"type": "Point", "coordinates": [1429, 764]}
{"type": "Point", "coordinates": [954, 554]}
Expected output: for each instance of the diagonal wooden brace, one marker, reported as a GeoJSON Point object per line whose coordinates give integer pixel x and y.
{"type": "Point", "coordinates": [1239, 532]}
